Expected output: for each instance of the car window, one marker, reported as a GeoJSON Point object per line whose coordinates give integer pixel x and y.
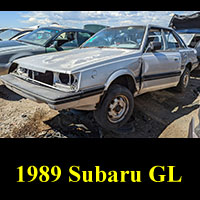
{"type": "Point", "coordinates": [6, 35]}
{"type": "Point", "coordinates": [71, 38]}
{"type": "Point", "coordinates": [40, 36]}
{"type": "Point", "coordinates": [82, 37]}
{"type": "Point", "coordinates": [155, 35]}
{"type": "Point", "coordinates": [172, 43]}
{"type": "Point", "coordinates": [129, 37]}
{"type": "Point", "coordinates": [187, 38]}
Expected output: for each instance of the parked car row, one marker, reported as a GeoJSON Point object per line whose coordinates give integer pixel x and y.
{"type": "Point", "coordinates": [101, 72]}
{"type": "Point", "coordinates": [42, 40]}
{"type": "Point", "coordinates": [13, 33]}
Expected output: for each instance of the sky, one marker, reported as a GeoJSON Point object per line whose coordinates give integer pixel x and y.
{"type": "Point", "coordinates": [20, 19]}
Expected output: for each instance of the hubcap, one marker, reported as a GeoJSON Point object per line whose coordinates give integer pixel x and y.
{"type": "Point", "coordinates": [118, 109]}
{"type": "Point", "coordinates": [186, 80]}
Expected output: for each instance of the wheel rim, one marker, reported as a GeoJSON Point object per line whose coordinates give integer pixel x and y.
{"type": "Point", "coordinates": [186, 79]}
{"type": "Point", "coordinates": [118, 108]}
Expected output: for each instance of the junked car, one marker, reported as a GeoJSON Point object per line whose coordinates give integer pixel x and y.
{"type": "Point", "coordinates": [3, 29]}
{"type": "Point", "coordinates": [106, 72]}
{"type": "Point", "coordinates": [42, 40]}
{"type": "Point", "coordinates": [188, 27]}
{"type": "Point", "coordinates": [13, 33]}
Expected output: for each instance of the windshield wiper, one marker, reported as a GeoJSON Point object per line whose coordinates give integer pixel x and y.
{"type": "Point", "coordinates": [103, 47]}
{"type": "Point", "coordinates": [96, 47]}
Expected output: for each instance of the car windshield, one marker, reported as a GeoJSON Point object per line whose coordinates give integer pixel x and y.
{"type": "Point", "coordinates": [39, 36]}
{"type": "Point", "coordinates": [8, 34]}
{"type": "Point", "coordinates": [122, 37]}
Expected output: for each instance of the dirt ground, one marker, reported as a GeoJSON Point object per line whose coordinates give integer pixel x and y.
{"type": "Point", "coordinates": [163, 114]}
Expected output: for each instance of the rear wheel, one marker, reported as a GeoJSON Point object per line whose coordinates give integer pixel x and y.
{"type": "Point", "coordinates": [116, 107]}
{"type": "Point", "coordinates": [184, 81]}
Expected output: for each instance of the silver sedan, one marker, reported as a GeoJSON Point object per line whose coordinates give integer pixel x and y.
{"type": "Point", "coordinates": [106, 72]}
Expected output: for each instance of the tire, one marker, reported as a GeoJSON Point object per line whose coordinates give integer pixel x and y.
{"type": "Point", "coordinates": [115, 109]}
{"type": "Point", "coordinates": [184, 81]}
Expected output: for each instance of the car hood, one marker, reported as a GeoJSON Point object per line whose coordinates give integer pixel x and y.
{"type": "Point", "coordinates": [73, 60]}
{"type": "Point", "coordinates": [13, 45]}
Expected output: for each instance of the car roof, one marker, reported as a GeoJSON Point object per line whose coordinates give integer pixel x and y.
{"type": "Point", "coordinates": [159, 26]}
{"type": "Point", "coordinates": [148, 26]}
{"type": "Point", "coordinates": [64, 29]}
{"type": "Point", "coordinates": [20, 29]}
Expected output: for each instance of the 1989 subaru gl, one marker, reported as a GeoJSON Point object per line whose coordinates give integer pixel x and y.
{"type": "Point", "coordinates": [106, 72]}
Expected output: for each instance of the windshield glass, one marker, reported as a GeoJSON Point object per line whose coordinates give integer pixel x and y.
{"type": "Point", "coordinates": [187, 38]}
{"type": "Point", "coordinates": [8, 34]}
{"type": "Point", "coordinates": [39, 36]}
{"type": "Point", "coordinates": [121, 37]}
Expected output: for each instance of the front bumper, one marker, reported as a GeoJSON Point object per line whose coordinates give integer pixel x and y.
{"type": "Point", "coordinates": [83, 100]}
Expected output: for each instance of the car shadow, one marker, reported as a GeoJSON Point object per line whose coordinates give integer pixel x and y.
{"type": "Point", "coordinates": [7, 94]}
{"type": "Point", "coordinates": [74, 124]}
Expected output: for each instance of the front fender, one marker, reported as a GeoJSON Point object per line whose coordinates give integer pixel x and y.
{"type": "Point", "coordinates": [117, 74]}
{"type": "Point", "coordinates": [20, 55]}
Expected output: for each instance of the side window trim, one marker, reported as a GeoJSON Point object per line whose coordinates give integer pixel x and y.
{"type": "Point", "coordinates": [162, 37]}
{"type": "Point", "coordinates": [181, 46]}
{"type": "Point", "coordinates": [180, 40]}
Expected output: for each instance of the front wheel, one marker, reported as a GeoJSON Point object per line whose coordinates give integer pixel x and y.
{"type": "Point", "coordinates": [116, 108]}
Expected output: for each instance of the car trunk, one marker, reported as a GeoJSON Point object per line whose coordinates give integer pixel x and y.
{"type": "Point", "coordinates": [188, 25]}
{"type": "Point", "coordinates": [179, 22]}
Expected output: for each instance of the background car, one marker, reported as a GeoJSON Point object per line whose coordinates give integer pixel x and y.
{"type": "Point", "coordinates": [42, 40]}
{"type": "Point", "coordinates": [188, 27]}
{"type": "Point", "coordinates": [3, 29]}
{"type": "Point", "coordinates": [13, 33]}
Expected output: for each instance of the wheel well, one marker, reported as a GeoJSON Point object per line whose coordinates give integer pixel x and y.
{"type": "Point", "coordinates": [13, 67]}
{"type": "Point", "coordinates": [127, 81]}
{"type": "Point", "coordinates": [189, 66]}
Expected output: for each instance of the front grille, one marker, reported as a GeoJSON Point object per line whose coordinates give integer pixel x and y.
{"type": "Point", "coordinates": [46, 77]}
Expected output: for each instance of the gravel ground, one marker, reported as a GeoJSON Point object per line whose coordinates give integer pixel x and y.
{"type": "Point", "coordinates": [164, 113]}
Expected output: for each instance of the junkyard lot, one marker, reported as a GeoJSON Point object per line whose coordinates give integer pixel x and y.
{"type": "Point", "coordinates": [163, 114]}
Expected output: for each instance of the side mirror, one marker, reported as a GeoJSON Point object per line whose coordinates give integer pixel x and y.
{"type": "Point", "coordinates": [155, 46]}
{"type": "Point", "coordinates": [55, 44]}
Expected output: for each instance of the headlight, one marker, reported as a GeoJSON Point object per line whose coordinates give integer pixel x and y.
{"type": "Point", "coordinates": [69, 81]}
{"type": "Point", "coordinates": [22, 71]}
